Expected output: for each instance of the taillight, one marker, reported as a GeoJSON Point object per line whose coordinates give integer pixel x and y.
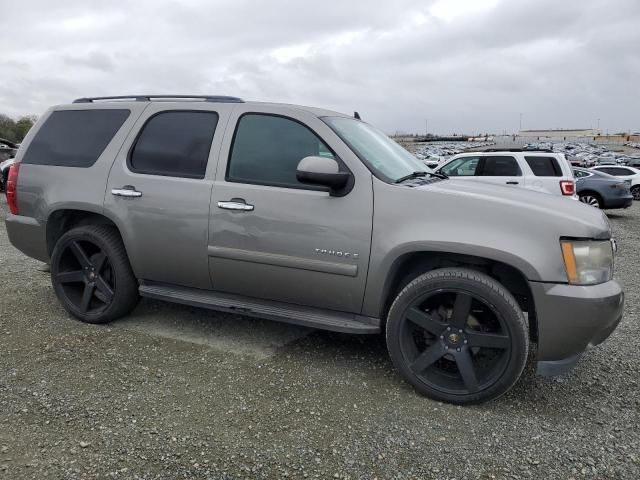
{"type": "Point", "coordinates": [567, 187]}
{"type": "Point", "coordinates": [12, 188]}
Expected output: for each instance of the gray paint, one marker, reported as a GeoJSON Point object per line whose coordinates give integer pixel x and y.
{"type": "Point", "coordinates": [287, 249]}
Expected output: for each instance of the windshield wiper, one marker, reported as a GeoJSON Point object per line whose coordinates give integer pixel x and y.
{"type": "Point", "coordinates": [441, 175]}
{"type": "Point", "coordinates": [418, 174]}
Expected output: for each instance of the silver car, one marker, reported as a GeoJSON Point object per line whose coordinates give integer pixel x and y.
{"type": "Point", "coordinates": [312, 217]}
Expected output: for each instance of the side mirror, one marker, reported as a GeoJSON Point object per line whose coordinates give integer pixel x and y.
{"type": "Point", "coordinates": [323, 171]}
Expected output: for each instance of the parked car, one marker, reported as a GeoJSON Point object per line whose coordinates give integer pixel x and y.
{"type": "Point", "coordinates": [601, 190]}
{"type": "Point", "coordinates": [628, 173]}
{"type": "Point", "coordinates": [633, 162]}
{"type": "Point", "coordinates": [316, 218]}
{"type": "Point", "coordinates": [608, 160]}
{"type": "Point", "coordinates": [7, 149]}
{"type": "Point", "coordinates": [545, 171]}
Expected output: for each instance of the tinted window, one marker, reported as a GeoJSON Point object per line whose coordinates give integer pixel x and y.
{"type": "Point", "coordinates": [544, 166]}
{"type": "Point", "coordinates": [461, 167]}
{"type": "Point", "coordinates": [615, 171]}
{"type": "Point", "coordinates": [267, 149]}
{"type": "Point", "coordinates": [580, 174]}
{"type": "Point", "coordinates": [500, 167]}
{"type": "Point", "coordinates": [174, 144]}
{"type": "Point", "coordinates": [74, 138]}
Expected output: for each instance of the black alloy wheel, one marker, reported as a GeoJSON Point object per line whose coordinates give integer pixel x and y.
{"type": "Point", "coordinates": [86, 277]}
{"type": "Point", "coordinates": [635, 191]}
{"type": "Point", "coordinates": [91, 274]}
{"type": "Point", "coordinates": [458, 336]}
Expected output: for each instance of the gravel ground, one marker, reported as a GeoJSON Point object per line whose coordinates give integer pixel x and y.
{"type": "Point", "coordinates": [176, 392]}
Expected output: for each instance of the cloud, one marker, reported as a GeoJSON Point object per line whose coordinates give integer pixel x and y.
{"type": "Point", "coordinates": [467, 66]}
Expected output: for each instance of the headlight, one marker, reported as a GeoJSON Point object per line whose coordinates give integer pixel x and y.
{"type": "Point", "coordinates": [588, 262]}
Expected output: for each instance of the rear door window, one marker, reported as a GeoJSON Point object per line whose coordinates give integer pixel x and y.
{"type": "Point", "coordinates": [544, 166]}
{"type": "Point", "coordinates": [174, 144]}
{"type": "Point", "coordinates": [74, 138]}
{"type": "Point", "coordinates": [500, 166]}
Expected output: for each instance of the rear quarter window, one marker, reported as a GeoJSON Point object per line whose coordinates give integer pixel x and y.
{"type": "Point", "coordinates": [74, 138]}
{"type": "Point", "coordinates": [544, 166]}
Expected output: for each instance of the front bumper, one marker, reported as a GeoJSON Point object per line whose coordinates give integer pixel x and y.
{"type": "Point", "coordinates": [572, 318]}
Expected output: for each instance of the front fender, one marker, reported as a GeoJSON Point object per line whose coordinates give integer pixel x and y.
{"type": "Point", "coordinates": [519, 228]}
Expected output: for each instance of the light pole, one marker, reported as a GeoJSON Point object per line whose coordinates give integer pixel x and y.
{"type": "Point", "coordinates": [426, 126]}
{"type": "Point", "coordinates": [520, 123]}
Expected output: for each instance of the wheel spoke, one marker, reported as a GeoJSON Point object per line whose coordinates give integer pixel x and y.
{"type": "Point", "coordinates": [86, 297]}
{"type": "Point", "coordinates": [424, 320]}
{"type": "Point", "coordinates": [76, 276]}
{"type": "Point", "coordinates": [461, 310]}
{"type": "Point", "coordinates": [104, 289]}
{"type": "Point", "coordinates": [98, 261]}
{"type": "Point", "coordinates": [78, 252]}
{"type": "Point", "coordinates": [467, 370]}
{"type": "Point", "coordinates": [427, 358]}
{"type": "Point", "coordinates": [488, 340]}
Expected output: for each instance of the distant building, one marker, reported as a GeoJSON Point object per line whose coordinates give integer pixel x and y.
{"type": "Point", "coordinates": [559, 133]}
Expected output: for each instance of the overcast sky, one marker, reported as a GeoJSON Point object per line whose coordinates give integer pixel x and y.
{"type": "Point", "coordinates": [465, 65]}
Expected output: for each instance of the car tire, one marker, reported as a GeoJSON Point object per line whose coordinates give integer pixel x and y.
{"type": "Point", "coordinates": [458, 336]}
{"type": "Point", "coordinates": [635, 191]}
{"type": "Point", "coordinates": [591, 199]}
{"type": "Point", "coordinates": [91, 274]}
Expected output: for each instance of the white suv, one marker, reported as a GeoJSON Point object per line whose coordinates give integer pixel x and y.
{"type": "Point", "coordinates": [542, 171]}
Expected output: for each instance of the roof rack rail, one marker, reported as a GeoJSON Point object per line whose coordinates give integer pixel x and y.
{"type": "Point", "coordinates": [148, 98]}
{"type": "Point", "coordinates": [516, 149]}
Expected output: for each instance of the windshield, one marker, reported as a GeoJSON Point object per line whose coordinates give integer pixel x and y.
{"type": "Point", "coordinates": [386, 158]}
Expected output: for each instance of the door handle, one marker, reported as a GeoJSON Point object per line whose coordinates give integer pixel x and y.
{"type": "Point", "coordinates": [513, 183]}
{"type": "Point", "coordinates": [236, 204]}
{"type": "Point", "coordinates": [126, 191]}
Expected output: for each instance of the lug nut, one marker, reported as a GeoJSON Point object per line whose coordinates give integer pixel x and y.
{"type": "Point", "coordinates": [460, 331]}
{"type": "Point", "coordinates": [441, 337]}
{"type": "Point", "coordinates": [458, 349]}
{"type": "Point", "coordinates": [448, 329]}
{"type": "Point", "coordinates": [466, 341]}
{"type": "Point", "coordinates": [446, 347]}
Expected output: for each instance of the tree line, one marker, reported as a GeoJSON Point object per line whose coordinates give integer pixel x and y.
{"type": "Point", "coordinates": [15, 130]}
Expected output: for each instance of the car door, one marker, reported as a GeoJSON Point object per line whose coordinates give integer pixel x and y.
{"type": "Point", "coordinates": [501, 170]}
{"type": "Point", "coordinates": [159, 190]}
{"type": "Point", "coordinates": [272, 237]}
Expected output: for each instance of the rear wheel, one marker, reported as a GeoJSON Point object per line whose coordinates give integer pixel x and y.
{"type": "Point", "coordinates": [457, 336]}
{"type": "Point", "coordinates": [91, 275]}
{"type": "Point", "coordinates": [591, 199]}
{"type": "Point", "coordinates": [635, 191]}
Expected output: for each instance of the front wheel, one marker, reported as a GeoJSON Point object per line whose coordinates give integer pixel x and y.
{"type": "Point", "coordinates": [91, 275]}
{"type": "Point", "coordinates": [457, 336]}
{"type": "Point", "coordinates": [635, 191]}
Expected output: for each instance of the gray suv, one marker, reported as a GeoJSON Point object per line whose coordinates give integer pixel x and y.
{"type": "Point", "coordinates": [316, 218]}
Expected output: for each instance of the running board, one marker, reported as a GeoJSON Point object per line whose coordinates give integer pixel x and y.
{"type": "Point", "coordinates": [278, 311]}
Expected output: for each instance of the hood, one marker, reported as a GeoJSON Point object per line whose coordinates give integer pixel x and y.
{"type": "Point", "coordinates": [580, 220]}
